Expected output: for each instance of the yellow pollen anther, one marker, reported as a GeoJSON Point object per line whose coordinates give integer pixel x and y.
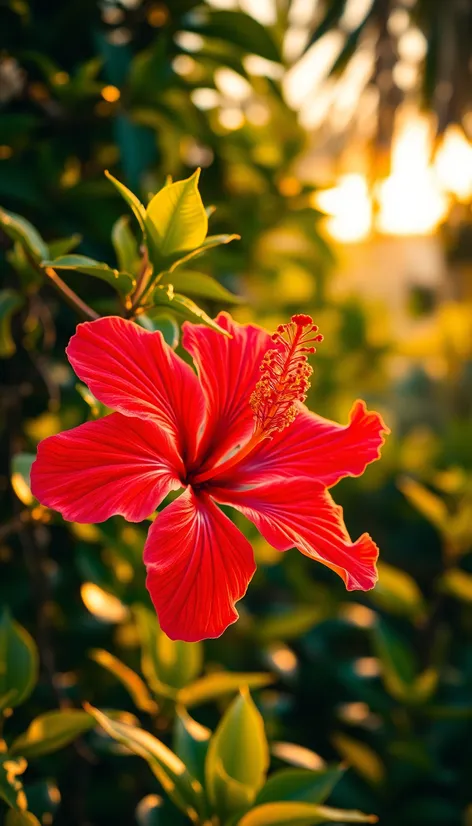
{"type": "Point", "coordinates": [285, 375]}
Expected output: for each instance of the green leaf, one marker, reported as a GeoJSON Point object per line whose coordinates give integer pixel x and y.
{"type": "Point", "coordinates": [183, 789]}
{"type": "Point", "coordinates": [164, 322]}
{"type": "Point", "coordinates": [133, 202]}
{"type": "Point", "coordinates": [62, 246]}
{"type": "Point", "coordinates": [361, 757]}
{"type": "Point", "coordinates": [11, 789]}
{"type": "Point", "coordinates": [190, 743]}
{"type": "Point", "coordinates": [301, 814]}
{"type": "Point", "coordinates": [128, 678]}
{"type": "Point", "coordinates": [125, 245]}
{"type": "Point", "coordinates": [290, 624]}
{"type": "Point", "coordinates": [19, 229]}
{"type": "Point", "coordinates": [178, 217]}
{"type": "Point", "coordinates": [427, 503]}
{"type": "Point", "coordinates": [200, 285]}
{"type": "Point", "coordinates": [237, 759]}
{"type": "Point", "coordinates": [20, 476]}
{"type": "Point", "coordinates": [214, 686]}
{"type": "Point", "coordinates": [398, 668]}
{"type": "Point", "coordinates": [10, 303]}
{"type": "Point", "coordinates": [165, 661]}
{"type": "Point", "coordinates": [18, 662]}
{"type": "Point", "coordinates": [458, 583]}
{"type": "Point", "coordinates": [165, 297]}
{"type": "Point", "coordinates": [209, 243]}
{"type": "Point", "coordinates": [397, 592]}
{"type": "Point", "coordinates": [21, 819]}
{"type": "Point", "coordinates": [236, 28]}
{"type": "Point", "coordinates": [52, 731]}
{"type": "Point", "coordinates": [121, 281]}
{"type": "Point", "coordinates": [300, 785]}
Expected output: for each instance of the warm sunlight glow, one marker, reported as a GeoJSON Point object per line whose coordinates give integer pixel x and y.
{"type": "Point", "coordinates": [453, 164]}
{"type": "Point", "coordinates": [350, 208]}
{"type": "Point", "coordinates": [410, 200]}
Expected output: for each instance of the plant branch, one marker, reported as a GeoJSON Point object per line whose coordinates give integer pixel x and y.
{"type": "Point", "coordinates": [69, 295]}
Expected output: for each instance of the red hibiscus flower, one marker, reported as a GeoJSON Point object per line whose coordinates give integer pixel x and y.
{"type": "Point", "coordinates": [236, 433]}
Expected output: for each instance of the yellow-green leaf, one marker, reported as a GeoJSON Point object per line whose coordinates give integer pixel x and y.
{"type": "Point", "coordinates": [19, 229]}
{"type": "Point", "coordinates": [121, 281]}
{"type": "Point", "coordinates": [52, 731]}
{"type": "Point", "coordinates": [397, 592]}
{"type": "Point", "coordinates": [209, 243]}
{"type": "Point", "coordinates": [427, 503]}
{"type": "Point", "coordinates": [165, 661]}
{"type": "Point", "coordinates": [184, 789]}
{"type": "Point", "coordinates": [164, 296]}
{"type": "Point", "coordinates": [300, 785]}
{"type": "Point", "coordinates": [361, 757]}
{"type": "Point", "coordinates": [301, 814]}
{"type": "Point", "coordinates": [128, 678]}
{"type": "Point", "coordinates": [190, 743]}
{"type": "Point", "coordinates": [125, 245]}
{"type": "Point", "coordinates": [178, 217]}
{"type": "Point", "coordinates": [199, 285]}
{"type": "Point", "coordinates": [213, 686]}
{"type": "Point", "coordinates": [238, 757]}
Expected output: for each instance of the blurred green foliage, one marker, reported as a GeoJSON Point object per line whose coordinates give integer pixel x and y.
{"type": "Point", "coordinates": [380, 681]}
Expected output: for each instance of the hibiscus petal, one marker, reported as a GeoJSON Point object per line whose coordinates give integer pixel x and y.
{"type": "Point", "coordinates": [115, 465]}
{"type": "Point", "coordinates": [135, 372]}
{"type": "Point", "coordinates": [229, 371]}
{"type": "Point", "coordinates": [199, 564]}
{"type": "Point", "coordinates": [301, 513]}
{"type": "Point", "coordinates": [316, 447]}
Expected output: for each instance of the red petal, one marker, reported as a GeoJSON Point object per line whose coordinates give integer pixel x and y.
{"type": "Point", "coordinates": [135, 372]}
{"type": "Point", "coordinates": [115, 465]}
{"type": "Point", "coordinates": [315, 447]}
{"type": "Point", "coordinates": [199, 564]}
{"type": "Point", "coordinates": [300, 513]}
{"type": "Point", "coordinates": [229, 370]}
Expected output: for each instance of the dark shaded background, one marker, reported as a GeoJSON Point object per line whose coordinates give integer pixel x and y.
{"type": "Point", "coordinates": [348, 666]}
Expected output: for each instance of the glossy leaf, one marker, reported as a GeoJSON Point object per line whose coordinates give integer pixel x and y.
{"type": "Point", "coordinates": [62, 246]}
{"type": "Point", "coordinates": [165, 297]}
{"type": "Point", "coordinates": [176, 780]}
{"type": "Point", "coordinates": [10, 302]}
{"type": "Point", "coordinates": [52, 731]}
{"type": "Point", "coordinates": [178, 217]}
{"type": "Point", "coordinates": [125, 245]}
{"type": "Point", "coordinates": [18, 662]}
{"type": "Point", "coordinates": [19, 229]}
{"type": "Point", "coordinates": [121, 281]}
{"type": "Point", "coordinates": [190, 743]}
{"type": "Point", "coordinates": [165, 322]}
{"type": "Point", "coordinates": [165, 661]}
{"type": "Point", "coordinates": [213, 686]}
{"type": "Point", "coordinates": [300, 785]}
{"type": "Point", "coordinates": [209, 243]}
{"type": "Point", "coordinates": [301, 814]}
{"type": "Point", "coordinates": [133, 202]}
{"type": "Point", "coordinates": [200, 285]}
{"type": "Point", "coordinates": [237, 758]}
{"type": "Point", "coordinates": [128, 678]}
